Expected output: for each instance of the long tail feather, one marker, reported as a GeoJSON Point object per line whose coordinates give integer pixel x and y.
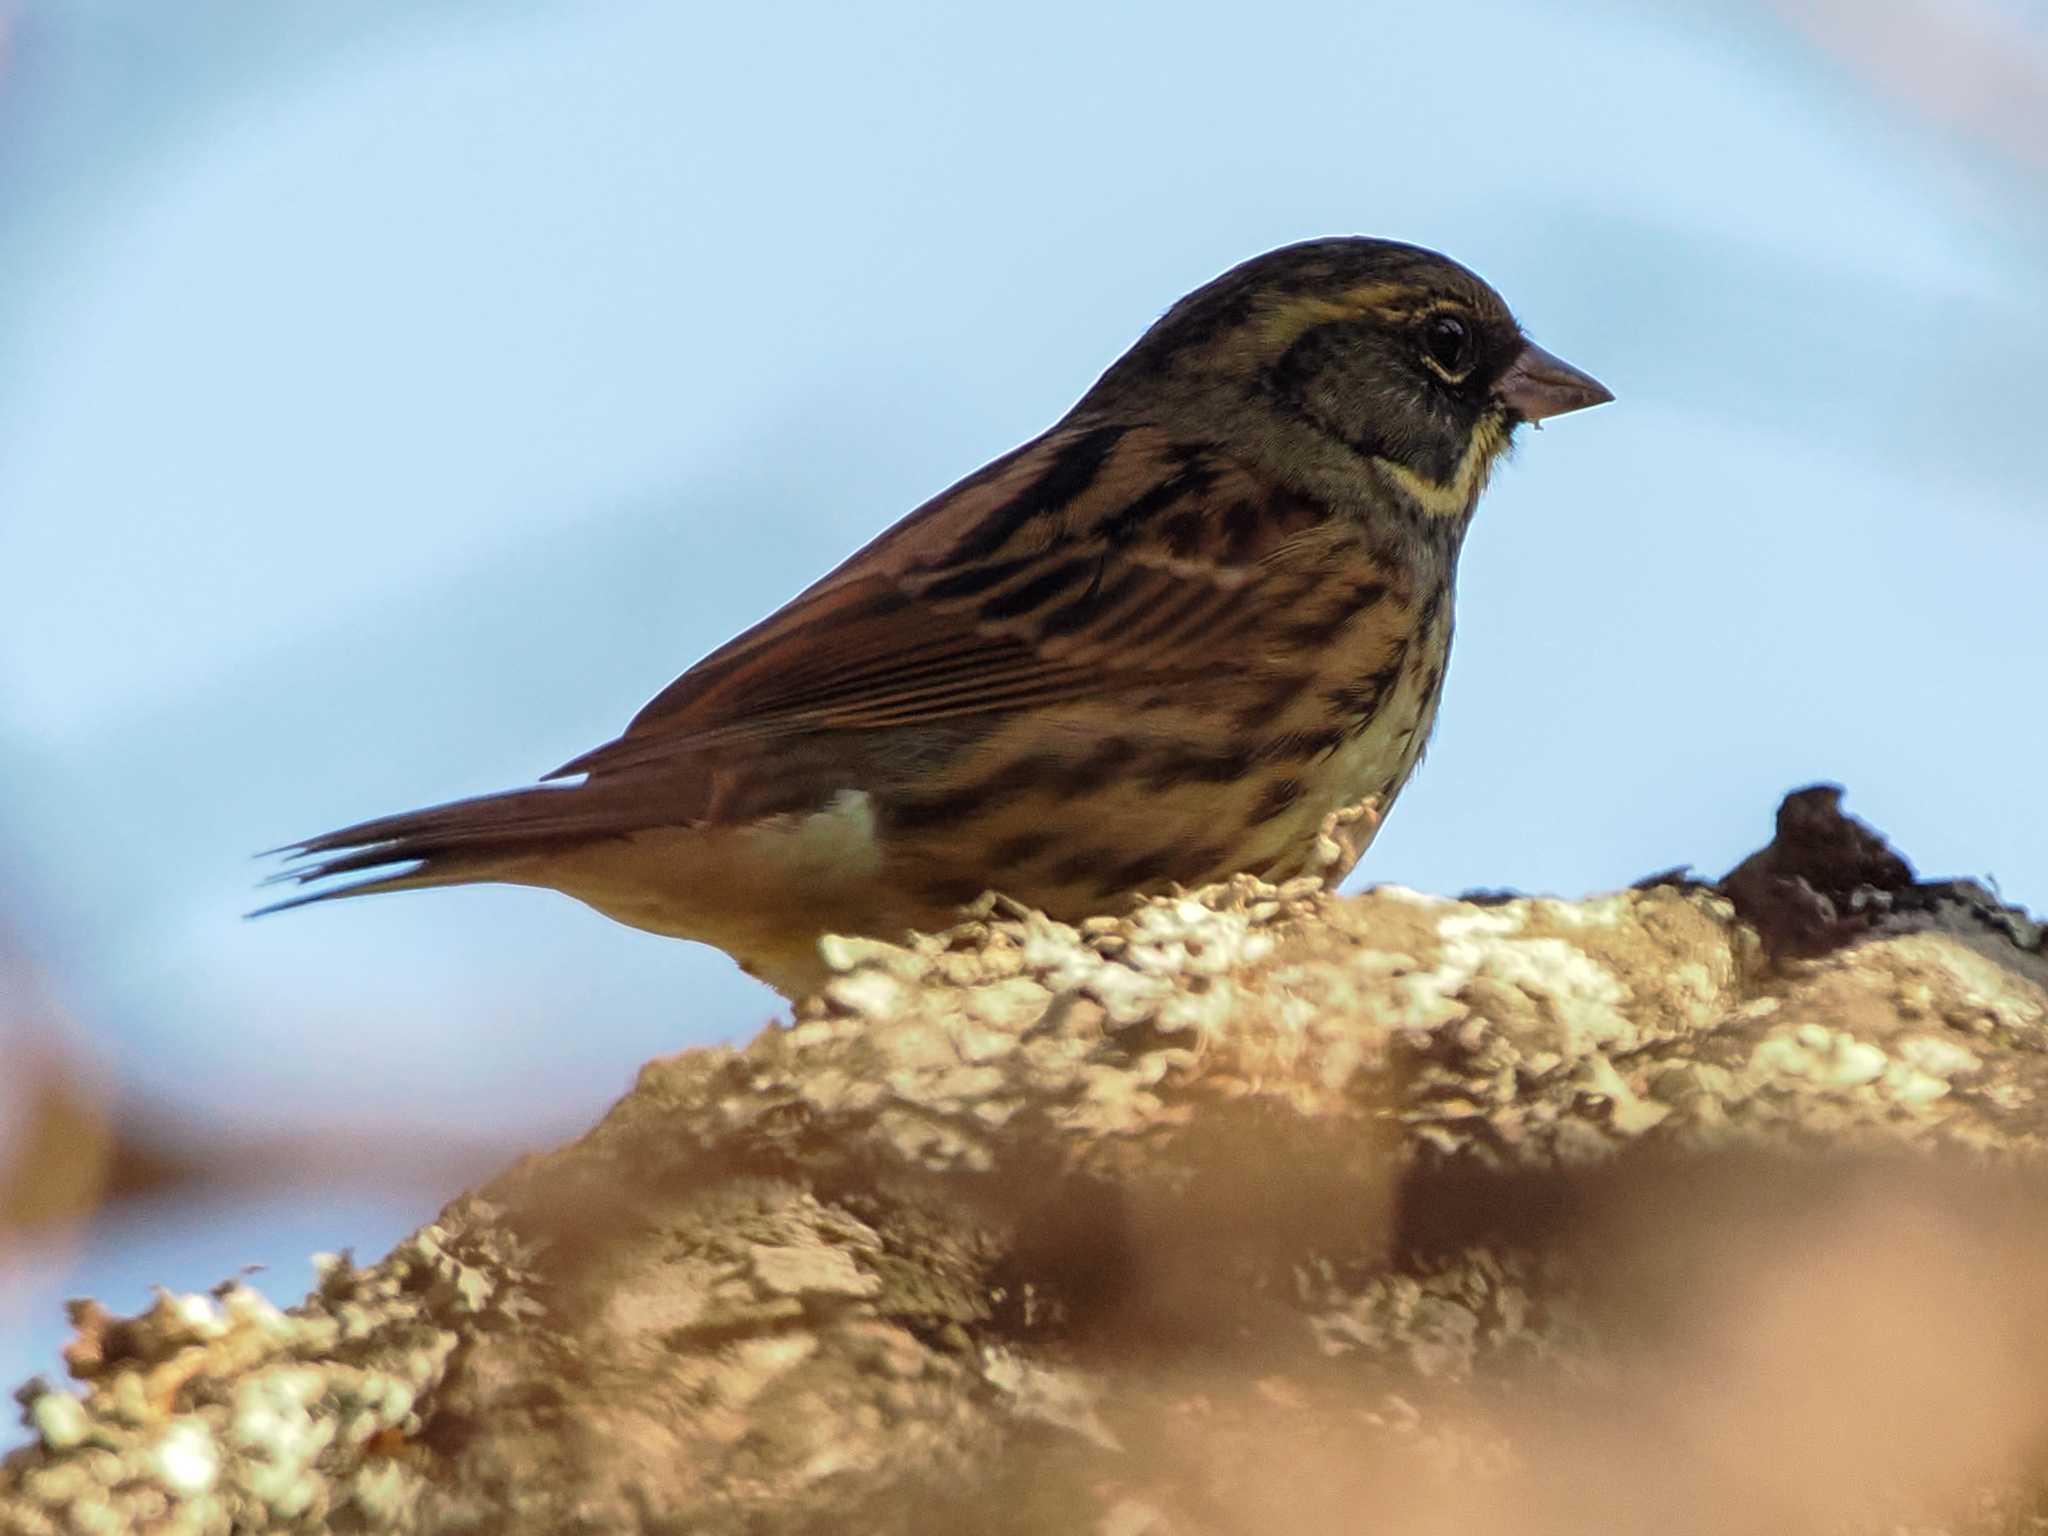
{"type": "Point", "coordinates": [418, 880]}
{"type": "Point", "coordinates": [453, 844]}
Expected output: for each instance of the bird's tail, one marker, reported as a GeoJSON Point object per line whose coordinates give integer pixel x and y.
{"type": "Point", "coordinates": [459, 843]}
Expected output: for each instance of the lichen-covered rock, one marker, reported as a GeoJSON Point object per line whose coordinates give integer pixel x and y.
{"type": "Point", "coordinates": [1256, 1208]}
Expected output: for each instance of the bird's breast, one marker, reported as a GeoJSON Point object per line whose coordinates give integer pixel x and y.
{"type": "Point", "coordinates": [1375, 702]}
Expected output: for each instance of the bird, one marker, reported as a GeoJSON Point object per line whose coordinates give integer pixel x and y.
{"type": "Point", "coordinates": [1196, 628]}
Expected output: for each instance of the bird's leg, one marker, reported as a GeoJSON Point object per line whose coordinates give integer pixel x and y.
{"type": "Point", "coordinates": [1341, 839]}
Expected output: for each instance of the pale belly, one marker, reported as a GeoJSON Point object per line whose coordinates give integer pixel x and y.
{"type": "Point", "coordinates": [763, 893]}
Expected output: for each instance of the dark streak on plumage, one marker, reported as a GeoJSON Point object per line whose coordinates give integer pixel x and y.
{"type": "Point", "coordinates": [1432, 608]}
{"type": "Point", "coordinates": [1317, 633]}
{"type": "Point", "coordinates": [1187, 483]}
{"type": "Point", "coordinates": [972, 580]}
{"type": "Point", "coordinates": [1185, 532]}
{"type": "Point", "coordinates": [1080, 867]}
{"type": "Point", "coordinates": [1021, 849]}
{"type": "Point", "coordinates": [1305, 743]}
{"type": "Point", "coordinates": [1183, 866]}
{"type": "Point", "coordinates": [1100, 598]}
{"type": "Point", "coordinates": [1046, 772]}
{"type": "Point", "coordinates": [1361, 697]}
{"type": "Point", "coordinates": [763, 795]}
{"type": "Point", "coordinates": [1073, 470]}
{"type": "Point", "coordinates": [1039, 590]}
{"type": "Point", "coordinates": [1267, 705]}
{"type": "Point", "coordinates": [1241, 520]}
{"type": "Point", "coordinates": [1277, 797]}
{"type": "Point", "coordinates": [1168, 616]}
{"type": "Point", "coordinates": [1134, 874]}
{"type": "Point", "coordinates": [909, 813]}
{"type": "Point", "coordinates": [1177, 767]}
{"type": "Point", "coordinates": [953, 890]}
{"type": "Point", "coordinates": [1111, 756]}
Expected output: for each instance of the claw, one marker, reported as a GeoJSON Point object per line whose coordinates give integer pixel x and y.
{"type": "Point", "coordinates": [1341, 839]}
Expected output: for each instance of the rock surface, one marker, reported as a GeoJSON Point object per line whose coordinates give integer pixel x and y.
{"type": "Point", "coordinates": [1688, 1208]}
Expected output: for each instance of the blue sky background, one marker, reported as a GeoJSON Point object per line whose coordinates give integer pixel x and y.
{"type": "Point", "coordinates": [394, 395]}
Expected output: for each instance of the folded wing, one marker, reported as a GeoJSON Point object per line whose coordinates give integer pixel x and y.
{"type": "Point", "coordinates": [1086, 559]}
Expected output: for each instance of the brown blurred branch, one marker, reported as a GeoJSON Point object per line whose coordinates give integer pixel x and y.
{"type": "Point", "coordinates": [56, 1142]}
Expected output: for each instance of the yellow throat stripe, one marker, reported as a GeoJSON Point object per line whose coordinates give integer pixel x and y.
{"type": "Point", "coordinates": [1454, 498]}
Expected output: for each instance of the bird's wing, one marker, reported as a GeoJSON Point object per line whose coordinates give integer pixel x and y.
{"type": "Point", "coordinates": [1089, 557]}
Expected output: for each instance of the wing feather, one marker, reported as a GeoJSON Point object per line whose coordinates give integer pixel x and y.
{"type": "Point", "coordinates": [1092, 558]}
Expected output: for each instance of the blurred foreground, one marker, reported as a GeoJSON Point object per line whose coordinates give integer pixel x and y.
{"type": "Point", "coordinates": [1685, 1209]}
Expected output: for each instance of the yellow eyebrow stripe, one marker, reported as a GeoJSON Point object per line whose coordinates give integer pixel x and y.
{"type": "Point", "coordinates": [1278, 327]}
{"type": "Point", "coordinates": [1390, 300]}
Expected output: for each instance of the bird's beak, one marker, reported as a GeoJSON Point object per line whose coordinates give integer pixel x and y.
{"type": "Point", "coordinates": [1538, 384]}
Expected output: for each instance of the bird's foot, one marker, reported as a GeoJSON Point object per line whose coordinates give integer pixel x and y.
{"type": "Point", "coordinates": [1342, 839]}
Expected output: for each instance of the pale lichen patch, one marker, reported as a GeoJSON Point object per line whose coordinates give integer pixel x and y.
{"type": "Point", "coordinates": [1814, 1053]}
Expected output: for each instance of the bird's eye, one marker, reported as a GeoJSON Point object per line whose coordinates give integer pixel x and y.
{"type": "Point", "coordinates": [1447, 345]}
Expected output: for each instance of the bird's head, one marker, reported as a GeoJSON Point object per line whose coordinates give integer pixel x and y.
{"type": "Point", "coordinates": [1349, 360]}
